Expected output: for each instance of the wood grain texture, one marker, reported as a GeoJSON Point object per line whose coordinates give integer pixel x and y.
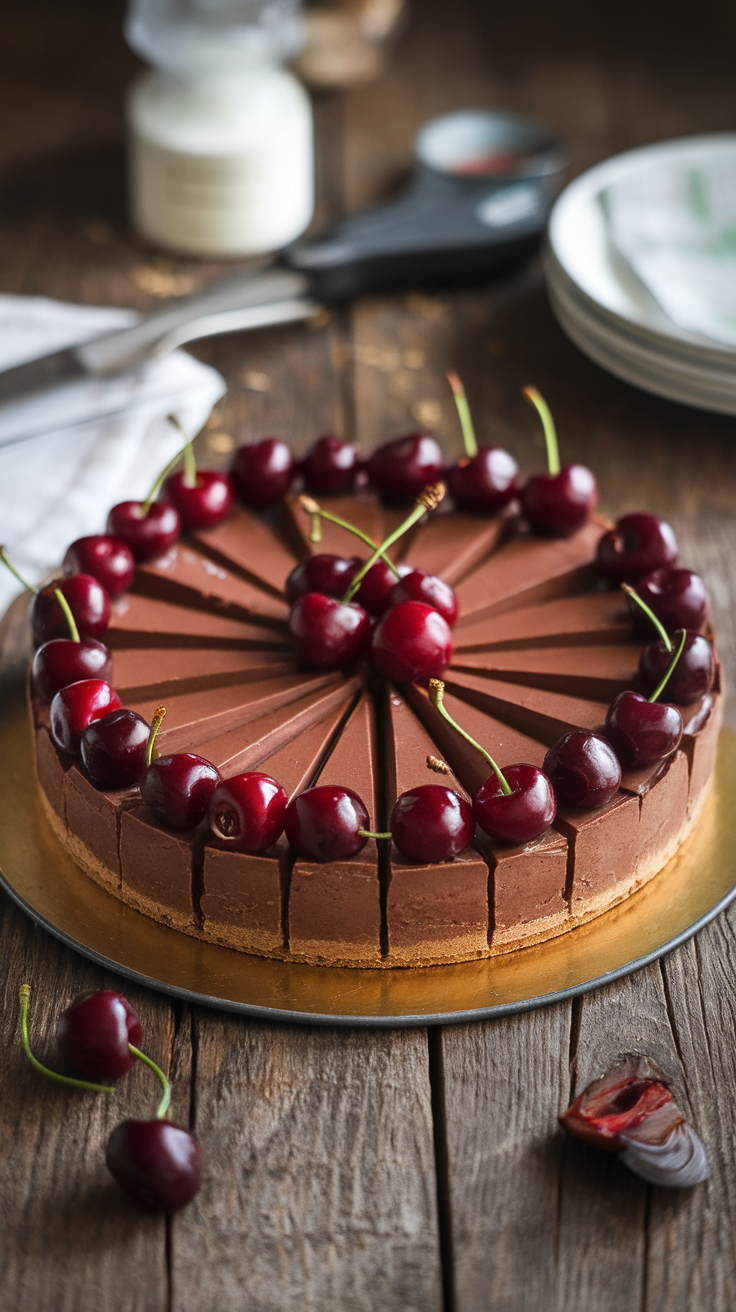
{"type": "Point", "coordinates": [320, 1186]}
{"type": "Point", "coordinates": [504, 1086]}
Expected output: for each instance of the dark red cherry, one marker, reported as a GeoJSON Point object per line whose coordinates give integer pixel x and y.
{"type": "Point", "coordinates": [88, 602]}
{"type": "Point", "coordinates": [433, 591]}
{"type": "Point", "coordinates": [412, 641]}
{"type": "Point", "coordinates": [178, 789]}
{"type": "Point", "coordinates": [642, 732]}
{"type": "Point", "coordinates": [148, 535]}
{"type": "Point", "coordinates": [113, 749]}
{"type": "Point", "coordinates": [323, 823]}
{"type": "Point", "coordinates": [329, 467]}
{"type": "Point", "coordinates": [431, 823]}
{"type": "Point", "coordinates": [374, 593]}
{"type": "Point", "coordinates": [519, 816]}
{"type": "Point", "coordinates": [156, 1163]}
{"type": "Point", "coordinates": [263, 472]}
{"type": "Point", "coordinates": [557, 505]}
{"type": "Point", "coordinates": [484, 483]}
{"type": "Point", "coordinates": [109, 560]}
{"type": "Point", "coordinates": [328, 632]}
{"type": "Point", "coordinates": [638, 544]}
{"type": "Point", "coordinates": [247, 811]}
{"type": "Point", "coordinates": [76, 706]}
{"type": "Point", "coordinates": [678, 598]}
{"type": "Point", "coordinates": [205, 504]}
{"type": "Point", "coordinates": [94, 1034]}
{"type": "Point", "coordinates": [583, 769]}
{"type": "Point", "coordinates": [323, 573]}
{"type": "Point", "coordinates": [693, 674]}
{"type": "Point", "coordinates": [400, 469]}
{"type": "Point", "coordinates": [62, 661]}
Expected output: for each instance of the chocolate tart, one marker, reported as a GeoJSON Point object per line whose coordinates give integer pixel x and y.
{"type": "Point", "coordinates": [538, 649]}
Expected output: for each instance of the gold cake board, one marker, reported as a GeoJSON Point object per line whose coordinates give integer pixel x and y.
{"type": "Point", "coordinates": [38, 874]}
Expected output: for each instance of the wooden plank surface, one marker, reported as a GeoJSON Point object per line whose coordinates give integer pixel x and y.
{"type": "Point", "coordinates": [406, 1171]}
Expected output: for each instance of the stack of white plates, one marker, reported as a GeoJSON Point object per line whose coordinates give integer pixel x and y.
{"type": "Point", "coordinates": [604, 307]}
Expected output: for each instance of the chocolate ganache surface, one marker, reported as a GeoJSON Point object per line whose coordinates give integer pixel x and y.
{"type": "Point", "coordinates": [539, 649]}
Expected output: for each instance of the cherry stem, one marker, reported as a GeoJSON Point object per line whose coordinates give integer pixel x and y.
{"type": "Point", "coordinates": [368, 833]}
{"type": "Point", "coordinates": [436, 696]}
{"type": "Point", "coordinates": [312, 507]}
{"type": "Point", "coordinates": [548, 424]}
{"type": "Point", "coordinates": [190, 463]}
{"type": "Point", "coordinates": [13, 570]}
{"type": "Point", "coordinates": [158, 716]}
{"type": "Point", "coordinates": [429, 498]}
{"type": "Point", "coordinates": [665, 680]}
{"type": "Point", "coordinates": [146, 505]}
{"type": "Point", "coordinates": [73, 630]}
{"type": "Point", "coordinates": [24, 996]}
{"type": "Point", "coordinates": [659, 626]}
{"type": "Point", "coordinates": [463, 411]}
{"type": "Point", "coordinates": [163, 1106]}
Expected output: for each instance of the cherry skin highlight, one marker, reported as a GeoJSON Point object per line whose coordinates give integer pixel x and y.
{"type": "Point", "coordinates": [76, 706]}
{"type": "Point", "coordinates": [62, 661]}
{"type": "Point", "coordinates": [329, 467]}
{"type": "Point", "coordinates": [642, 732]}
{"type": "Point", "coordinates": [323, 823]}
{"type": "Point", "coordinates": [263, 472]}
{"type": "Point", "coordinates": [113, 749]}
{"type": "Point", "coordinates": [557, 505]}
{"type": "Point", "coordinates": [693, 674]}
{"type": "Point", "coordinates": [583, 769]}
{"type": "Point", "coordinates": [431, 823]}
{"type": "Point", "coordinates": [247, 811]}
{"type": "Point", "coordinates": [322, 573]}
{"type": "Point", "coordinates": [87, 600]}
{"type": "Point", "coordinates": [399, 470]}
{"type": "Point", "coordinates": [678, 597]}
{"type": "Point", "coordinates": [638, 544]}
{"type": "Point", "coordinates": [207, 503]}
{"type": "Point", "coordinates": [109, 560]}
{"type": "Point", "coordinates": [483, 484]}
{"type": "Point", "coordinates": [157, 1163]}
{"type": "Point", "coordinates": [522, 815]}
{"type": "Point", "coordinates": [433, 591]}
{"type": "Point", "coordinates": [94, 1033]}
{"type": "Point", "coordinates": [178, 789]}
{"type": "Point", "coordinates": [148, 536]}
{"type": "Point", "coordinates": [328, 633]}
{"type": "Point", "coordinates": [411, 642]}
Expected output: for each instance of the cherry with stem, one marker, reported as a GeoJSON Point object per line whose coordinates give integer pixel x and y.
{"type": "Point", "coordinates": [482, 481]}
{"type": "Point", "coordinates": [695, 670]}
{"type": "Point", "coordinates": [69, 1080]}
{"type": "Point", "coordinates": [557, 503]}
{"type": "Point", "coordinates": [157, 1163]}
{"type": "Point", "coordinates": [516, 806]}
{"type": "Point", "coordinates": [643, 730]}
{"type": "Point", "coordinates": [204, 497]}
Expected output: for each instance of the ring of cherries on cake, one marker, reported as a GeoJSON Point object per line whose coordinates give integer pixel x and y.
{"type": "Point", "coordinates": [396, 618]}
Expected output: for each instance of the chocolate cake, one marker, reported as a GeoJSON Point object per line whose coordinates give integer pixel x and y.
{"type": "Point", "coordinates": [539, 649]}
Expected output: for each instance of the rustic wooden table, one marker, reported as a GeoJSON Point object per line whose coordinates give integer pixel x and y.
{"type": "Point", "coordinates": [418, 1170]}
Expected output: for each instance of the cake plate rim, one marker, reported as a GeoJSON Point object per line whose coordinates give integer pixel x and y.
{"type": "Point", "coordinates": [41, 878]}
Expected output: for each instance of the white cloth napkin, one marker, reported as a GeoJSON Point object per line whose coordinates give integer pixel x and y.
{"type": "Point", "coordinates": [66, 456]}
{"type": "Point", "coordinates": [675, 224]}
